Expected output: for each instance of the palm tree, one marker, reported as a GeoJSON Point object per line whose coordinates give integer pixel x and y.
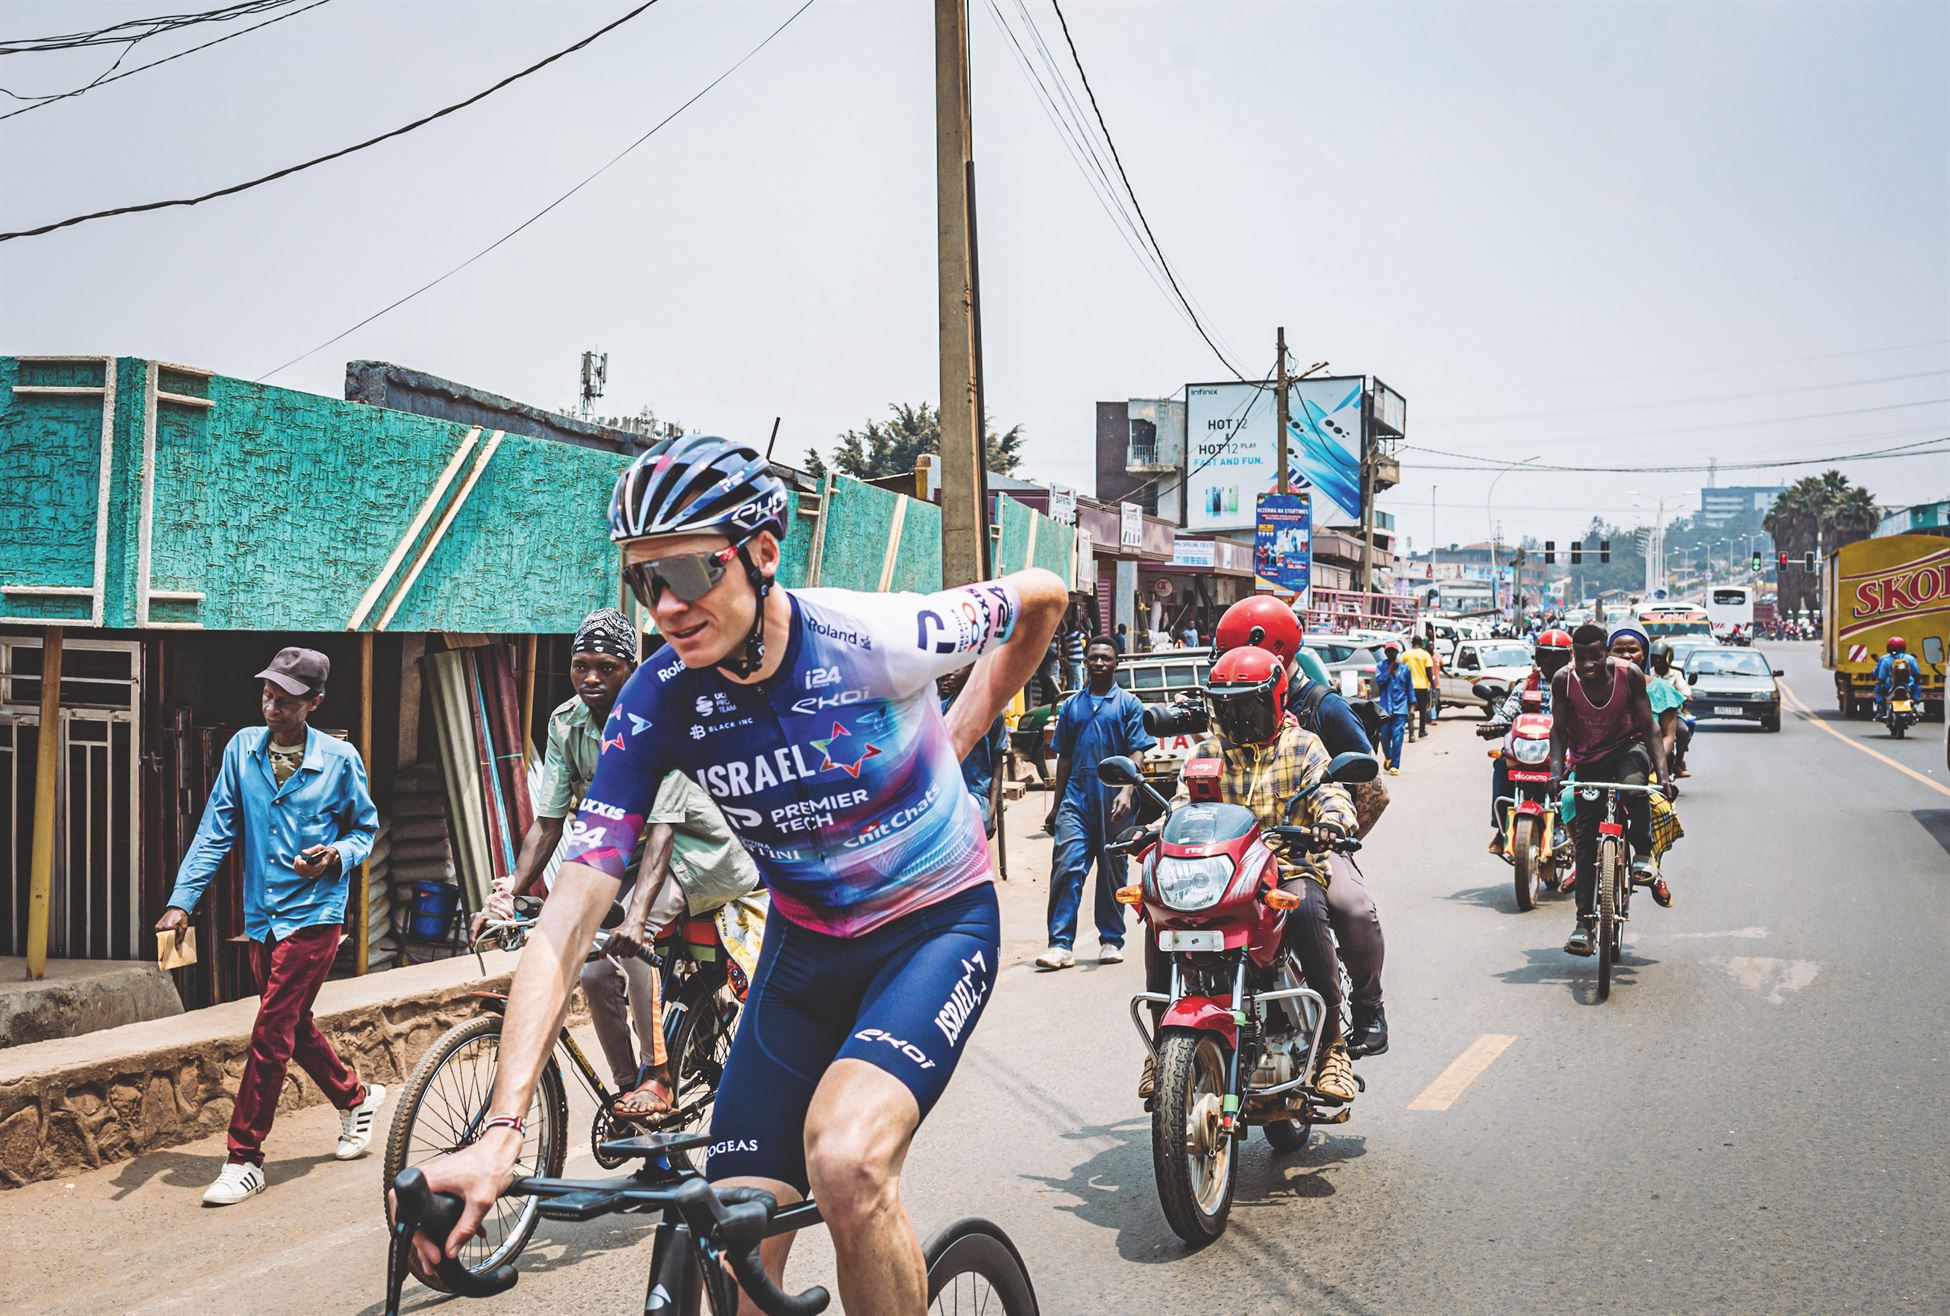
{"type": "Point", "coordinates": [1794, 521]}
{"type": "Point", "coordinates": [1852, 516]}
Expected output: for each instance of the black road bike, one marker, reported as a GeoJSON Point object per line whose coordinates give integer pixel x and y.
{"type": "Point", "coordinates": [1614, 873]}
{"type": "Point", "coordinates": [972, 1265]}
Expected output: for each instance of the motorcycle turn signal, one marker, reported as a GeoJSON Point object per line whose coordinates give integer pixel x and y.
{"type": "Point", "coordinates": [1130, 895]}
{"type": "Point", "coordinates": [1278, 899]}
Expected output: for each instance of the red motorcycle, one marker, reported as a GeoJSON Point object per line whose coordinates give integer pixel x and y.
{"type": "Point", "coordinates": [1534, 843]}
{"type": "Point", "coordinates": [1240, 1028]}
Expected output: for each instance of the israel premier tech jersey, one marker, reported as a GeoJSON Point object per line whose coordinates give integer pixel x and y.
{"type": "Point", "coordinates": [836, 772]}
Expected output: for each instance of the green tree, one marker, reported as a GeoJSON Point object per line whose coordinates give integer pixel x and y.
{"type": "Point", "coordinates": [889, 447]}
{"type": "Point", "coordinates": [1817, 513]}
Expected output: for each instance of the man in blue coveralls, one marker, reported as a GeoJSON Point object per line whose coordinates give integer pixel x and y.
{"type": "Point", "coordinates": [1095, 723]}
{"type": "Point", "coordinates": [1394, 695]}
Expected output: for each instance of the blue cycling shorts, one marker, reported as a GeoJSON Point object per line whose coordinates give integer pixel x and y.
{"type": "Point", "coordinates": [903, 997]}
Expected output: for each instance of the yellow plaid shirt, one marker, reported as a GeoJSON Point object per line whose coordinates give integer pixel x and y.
{"type": "Point", "coordinates": [1265, 777]}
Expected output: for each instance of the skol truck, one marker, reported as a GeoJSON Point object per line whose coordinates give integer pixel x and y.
{"type": "Point", "coordinates": [1873, 589]}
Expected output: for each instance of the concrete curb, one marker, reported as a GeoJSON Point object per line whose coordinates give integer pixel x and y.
{"type": "Point", "coordinates": [80, 1102]}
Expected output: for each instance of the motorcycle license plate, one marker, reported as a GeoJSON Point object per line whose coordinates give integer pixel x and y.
{"type": "Point", "coordinates": [1901, 705]}
{"type": "Point", "coordinates": [1191, 939]}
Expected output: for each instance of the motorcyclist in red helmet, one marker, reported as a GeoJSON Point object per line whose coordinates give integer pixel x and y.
{"type": "Point", "coordinates": [1269, 624]}
{"type": "Point", "coordinates": [1895, 666]}
{"type": "Point", "coordinates": [1269, 758]}
{"type": "Point", "coordinates": [1553, 651]}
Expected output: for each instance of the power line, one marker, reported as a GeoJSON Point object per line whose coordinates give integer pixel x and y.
{"type": "Point", "coordinates": [136, 29]}
{"type": "Point", "coordinates": [1135, 203]}
{"type": "Point", "coordinates": [43, 101]}
{"type": "Point", "coordinates": [1920, 448]}
{"type": "Point", "coordinates": [1533, 385]}
{"type": "Point", "coordinates": [1690, 401]}
{"type": "Point", "coordinates": [604, 168]}
{"type": "Point", "coordinates": [344, 151]}
{"type": "Point", "coordinates": [1718, 425]}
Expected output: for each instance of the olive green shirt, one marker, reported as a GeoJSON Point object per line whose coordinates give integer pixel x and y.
{"type": "Point", "coordinates": [574, 742]}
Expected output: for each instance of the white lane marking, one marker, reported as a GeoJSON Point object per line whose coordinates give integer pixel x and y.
{"type": "Point", "coordinates": [1771, 978]}
{"type": "Point", "coordinates": [1449, 1084]}
{"type": "Point", "coordinates": [1808, 716]}
{"type": "Point", "coordinates": [1749, 934]}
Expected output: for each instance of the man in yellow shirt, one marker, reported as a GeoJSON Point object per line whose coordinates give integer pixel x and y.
{"type": "Point", "coordinates": [1421, 673]}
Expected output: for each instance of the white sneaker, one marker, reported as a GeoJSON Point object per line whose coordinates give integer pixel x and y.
{"type": "Point", "coordinates": [1056, 957]}
{"type": "Point", "coordinates": [1110, 954]}
{"type": "Point", "coordinates": [237, 1182]}
{"type": "Point", "coordinates": [355, 1125]}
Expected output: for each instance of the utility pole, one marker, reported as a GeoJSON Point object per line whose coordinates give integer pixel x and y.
{"type": "Point", "coordinates": [1282, 402]}
{"type": "Point", "coordinates": [964, 542]}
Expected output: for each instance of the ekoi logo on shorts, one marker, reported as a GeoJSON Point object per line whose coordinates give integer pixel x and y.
{"type": "Point", "coordinates": [908, 1049]}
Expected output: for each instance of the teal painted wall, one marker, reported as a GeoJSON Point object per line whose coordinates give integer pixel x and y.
{"type": "Point", "coordinates": [282, 507]}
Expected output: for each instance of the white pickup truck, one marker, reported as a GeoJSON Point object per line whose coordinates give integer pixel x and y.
{"type": "Point", "coordinates": [1499, 664]}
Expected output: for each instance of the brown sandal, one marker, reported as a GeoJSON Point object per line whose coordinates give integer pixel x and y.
{"type": "Point", "coordinates": [648, 1100]}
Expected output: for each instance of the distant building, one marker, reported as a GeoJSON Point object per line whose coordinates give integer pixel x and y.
{"type": "Point", "coordinates": [1737, 502]}
{"type": "Point", "coordinates": [1917, 519]}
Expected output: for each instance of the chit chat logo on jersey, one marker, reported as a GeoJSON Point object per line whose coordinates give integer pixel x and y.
{"type": "Point", "coordinates": [861, 749]}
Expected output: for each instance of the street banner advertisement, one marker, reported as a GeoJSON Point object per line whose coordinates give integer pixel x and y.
{"type": "Point", "coordinates": [1232, 448]}
{"type": "Point", "coordinates": [1062, 504]}
{"type": "Point", "coordinates": [1283, 544]}
{"type": "Point", "coordinates": [1130, 525]}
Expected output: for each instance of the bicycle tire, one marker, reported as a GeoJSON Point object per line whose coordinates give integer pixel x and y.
{"type": "Point", "coordinates": [1529, 862]}
{"type": "Point", "coordinates": [973, 1265]}
{"type": "Point", "coordinates": [548, 1117]}
{"type": "Point", "coordinates": [1609, 861]}
{"type": "Point", "coordinates": [698, 1044]}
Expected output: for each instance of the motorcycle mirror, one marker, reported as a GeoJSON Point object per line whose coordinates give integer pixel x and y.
{"type": "Point", "coordinates": [1118, 770]}
{"type": "Point", "coordinates": [1353, 769]}
{"type": "Point", "coordinates": [1779, 672]}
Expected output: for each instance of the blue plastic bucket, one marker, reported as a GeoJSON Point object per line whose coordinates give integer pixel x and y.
{"type": "Point", "coordinates": [434, 907]}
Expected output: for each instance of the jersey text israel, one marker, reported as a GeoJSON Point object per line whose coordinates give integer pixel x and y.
{"type": "Point", "coordinates": [836, 773]}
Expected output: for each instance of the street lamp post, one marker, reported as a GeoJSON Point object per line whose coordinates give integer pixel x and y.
{"type": "Point", "coordinates": [1489, 514]}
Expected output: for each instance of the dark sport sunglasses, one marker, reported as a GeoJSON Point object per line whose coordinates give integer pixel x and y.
{"type": "Point", "coordinates": [690, 576]}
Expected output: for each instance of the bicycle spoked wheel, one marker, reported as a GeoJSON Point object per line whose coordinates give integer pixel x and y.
{"type": "Point", "coordinates": [1610, 862]}
{"type": "Point", "coordinates": [974, 1270]}
{"type": "Point", "coordinates": [440, 1111]}
{"type": "Point", "coordinates": [700, 1044]}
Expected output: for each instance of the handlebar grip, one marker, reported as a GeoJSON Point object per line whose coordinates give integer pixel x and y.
{"type": "Point", "coordinates": [435, 1215]}
{"type": "Point", "coordinates": [742, 1220]}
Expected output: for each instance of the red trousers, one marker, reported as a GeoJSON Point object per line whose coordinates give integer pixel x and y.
{"type": "Point", "coordinates": [289, 972]}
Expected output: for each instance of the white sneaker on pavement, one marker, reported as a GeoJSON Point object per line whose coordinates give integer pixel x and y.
{"type": "Point", "coordinates": [238, 1181]}
{"type": "Point", "coordinates": [355, 1125]}
{"type": "Point", "coordinates": [1110, 955]}
{"type": "Point", "coordinates": [1056, 957]}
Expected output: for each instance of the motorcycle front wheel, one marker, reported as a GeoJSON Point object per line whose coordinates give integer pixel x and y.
{"type": "Point", "coordinates": [1526, 850]}
{"type": "Point", "coordinates": [1191, 1154]}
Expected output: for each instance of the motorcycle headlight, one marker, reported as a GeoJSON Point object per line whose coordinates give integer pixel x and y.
{"type": "Point", "coordinates": [1192, 884]}
{"type": "Point", "coordinates": [1530, 751]}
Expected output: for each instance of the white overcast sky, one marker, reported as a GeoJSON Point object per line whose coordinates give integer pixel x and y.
{"type": "Point", "coordinates": [1716, 230]}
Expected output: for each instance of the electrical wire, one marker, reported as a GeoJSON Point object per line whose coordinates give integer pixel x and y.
{"type": "Point", "coordinates": [1135, 203]}
{"type": "Point", "coordinates": [1920, 448]}
{"type": "Point", "coordinates": [1533, 385]}
{"type": "Point", "coordinates": [1689, 401]}
{"type": "Point", "coordinates": [1716, 426]}
{"type": "Point", "coordinates": [602, 169]}
{"type": "Point", "coordinates": [43, 101]}
{"type": "Point", "coordinates": [137, 29]}
{"type": "Point", "coordinates": [340, 153]}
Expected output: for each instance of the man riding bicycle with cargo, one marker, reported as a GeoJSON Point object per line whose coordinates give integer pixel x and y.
{"type": "Point", "coordinates": [810, 717]}
{"type": "Point", "coordinates": [1602, 728]}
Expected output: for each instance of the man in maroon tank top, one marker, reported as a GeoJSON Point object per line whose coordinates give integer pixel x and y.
{"type": "Point", "coordinates": [1602, 727]}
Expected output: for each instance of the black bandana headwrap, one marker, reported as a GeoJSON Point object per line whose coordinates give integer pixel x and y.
{"type": "Point", "coordinates": [607, 631]}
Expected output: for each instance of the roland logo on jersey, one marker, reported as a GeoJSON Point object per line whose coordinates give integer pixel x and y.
{"type": "Point", "coordinates": [965, 999]}
{"type": "Point", "coordinates": [845, 635]}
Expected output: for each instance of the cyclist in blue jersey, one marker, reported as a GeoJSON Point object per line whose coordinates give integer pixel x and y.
{"type": "Point", "coordinates": [810, 717]}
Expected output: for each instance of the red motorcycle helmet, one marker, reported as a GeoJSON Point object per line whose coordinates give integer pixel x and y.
{"type": "Point", "coordinates": [1247, 695]}
{"type": "Point", "coordinates": [1897, 644]}
{"type": "Point", "coordinates": [1261, 621]}
{"type": "Point", "coordinates": [1553, 651]}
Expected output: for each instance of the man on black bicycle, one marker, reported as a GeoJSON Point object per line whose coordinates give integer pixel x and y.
{"type": "Point", "coordinates": [1602, 728]}
{"type": "Point", "coordinates": [810, 717]}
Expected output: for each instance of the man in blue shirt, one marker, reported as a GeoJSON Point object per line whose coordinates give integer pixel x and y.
{"type": "Point", "coordinates": [1099, 721]}
{"type": "Point", "coordinates": [1394, 695]}
{"type": "Point", "coordinates": [297, 802]}
{"type": "Point", "coordinates": [978, 768]}
{"type": "Point", "coordinates": [1896, 669]}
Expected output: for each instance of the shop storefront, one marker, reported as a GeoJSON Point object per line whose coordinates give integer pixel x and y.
{"type": "Point", "coordinates": [1204, 577]}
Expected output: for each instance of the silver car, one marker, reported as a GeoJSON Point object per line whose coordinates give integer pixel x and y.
{"type": "Point", "coordinates": [1735, 684]}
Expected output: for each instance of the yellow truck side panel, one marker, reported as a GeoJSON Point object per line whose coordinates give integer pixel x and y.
{"type": "Point", "coordinates": [1875, 588]}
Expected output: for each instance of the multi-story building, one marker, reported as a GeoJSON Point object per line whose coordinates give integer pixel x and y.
{"type": "Point", "coordinates": [1736, 503]}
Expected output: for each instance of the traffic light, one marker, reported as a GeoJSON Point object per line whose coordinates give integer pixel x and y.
{"type": "Point", "coordinates": [1808, 560]}
{"type": "Point", "coordinates": [1550, 552]}
{"type": "Point", "coordinates": [1756, 563]}
{"type": "Point", "coordinates": [1604, 550]}
{"type": "Point", "coordinates": [1577, 553]}
{"type": "Point", "coordinates": [1780, 563]}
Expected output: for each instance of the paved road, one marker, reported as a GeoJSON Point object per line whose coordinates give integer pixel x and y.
{"type": "Point", "coordinates": [1754, 1122]}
